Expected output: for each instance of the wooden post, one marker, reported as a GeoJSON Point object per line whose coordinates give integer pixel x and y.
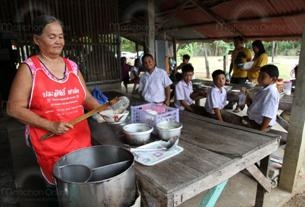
{"type": "Point", "coordinates": [273, 51]}
{"type": "Point", "coordinates": [260, 190]}
{"type": "Point", "coordinates": [225, 63]}
{"type": "Point", "coordinates": [211, 198]}
{"type": "Point", "coordinates": [207, 67]}
{"type": "Point", "coordinates": [137, 49]}
{"type": "Point", "coordinates": [175, 50]}
{"type": "Point", "coordinates": [151, 26]}
{"type": "Point", "coordinates": [294, 152]}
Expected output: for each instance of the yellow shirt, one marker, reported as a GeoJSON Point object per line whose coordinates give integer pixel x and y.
{"type": "Point", "coordinates": [239, 73]}
{"type": "Point", "coordinates": [260, 61]}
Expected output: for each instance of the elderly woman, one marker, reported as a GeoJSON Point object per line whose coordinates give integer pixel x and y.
{"type": "Point", "coordinates": [48, 92]}
{"type": "Point", "coordinates": [259, 60]}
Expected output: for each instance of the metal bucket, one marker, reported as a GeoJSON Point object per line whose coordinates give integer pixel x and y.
{"type": "Point", "coordinates": [110, 181]}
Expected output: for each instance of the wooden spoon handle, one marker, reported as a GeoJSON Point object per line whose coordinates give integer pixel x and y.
{"type": "Point", "coordinates": [85, 116]}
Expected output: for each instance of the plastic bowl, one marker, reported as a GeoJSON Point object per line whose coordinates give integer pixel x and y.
{"type": "Point", "coordinates": [137, 133]}
{"type": "Point", "coordinates": [169, 129]}
{"type": "Point", "coordinates": [116, 118]}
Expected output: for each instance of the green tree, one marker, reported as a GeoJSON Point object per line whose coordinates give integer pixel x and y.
{"type": "Point", "coordinates": [127, 45]}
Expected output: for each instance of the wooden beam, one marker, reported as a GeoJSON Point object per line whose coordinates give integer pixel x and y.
{"type": "Point", "coordinates": [218, 19]}
{"type": "Point", "coordinates": [169, 16]}
{"type": "Point", "coordinates": [260, 177]}
{"type": "Point", "coordinates": [260, 191]}
{"type": "Point", "coordinates": [208, 4]}
{"type": "Point", "coordinates": [241, 20]}
{"type": "Point", "coordinates": [269, 37]}
{"type": "Point", "coordinates": [171, 11]}
{"type": "Point", "coordinates": [294, 151]}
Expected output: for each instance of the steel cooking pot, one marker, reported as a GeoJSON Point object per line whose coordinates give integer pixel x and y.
{"type": "Point", "coordinates": [111, 181]}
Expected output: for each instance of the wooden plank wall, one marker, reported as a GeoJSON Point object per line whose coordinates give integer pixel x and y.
{"type": "Point", "coordinates": [91, 39]}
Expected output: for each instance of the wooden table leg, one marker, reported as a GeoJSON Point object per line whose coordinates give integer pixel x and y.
{"type": "Point", "coordinates": [260, 192]}
{"type": "Point", "coordinates": [210, 199]}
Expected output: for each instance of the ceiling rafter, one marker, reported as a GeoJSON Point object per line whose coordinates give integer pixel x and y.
{"type": "Point", "coordinates": [217, 18]}
{"type": "Point", "coordinates": [229, 38]}
{"type": "Point", "coordinates": [211, 3]}
{"type": "Point", "coordinates": [172, 10]}
{"type": "Point", "coordinates": [241, 20]}
{"type": "Point", "coordinates": [169, 16]}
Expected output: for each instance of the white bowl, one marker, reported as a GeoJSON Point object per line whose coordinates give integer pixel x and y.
{"type": "Point", "coordinates": [169, 129]}
{"type": "Point", "coordinates": [137, 133]}
{"type": "Point", "coordinates": [115, 118]}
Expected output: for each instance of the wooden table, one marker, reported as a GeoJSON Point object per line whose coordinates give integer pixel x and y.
{"type": "Point", "coordinates": [213, 153]}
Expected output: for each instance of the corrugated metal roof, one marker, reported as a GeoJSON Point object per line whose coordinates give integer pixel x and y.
{"type": "Point", "coordinates": [219, 19]}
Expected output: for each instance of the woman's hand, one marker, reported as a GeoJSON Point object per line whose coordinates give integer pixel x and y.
{"type": "Point", "coordinates": [60, 127]}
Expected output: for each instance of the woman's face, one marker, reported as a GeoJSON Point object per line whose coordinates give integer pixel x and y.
{"type": "Point", "coordinates": [51, 41]}
{"type": "Point", "coordinates": [255, 49]}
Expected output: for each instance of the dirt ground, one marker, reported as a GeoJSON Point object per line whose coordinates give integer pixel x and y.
{"type": "Point", "coordinates": [297, 201]}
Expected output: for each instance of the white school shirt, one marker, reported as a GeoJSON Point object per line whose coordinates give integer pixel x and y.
{"type": "Point", "coordinates": [217, 98]}
{"type": "Point", "coordinates": [152, 85]}
{"type": "Point", "coordinates": [183, 91]}
{"type": "Point", "coordinates": [265, 103]}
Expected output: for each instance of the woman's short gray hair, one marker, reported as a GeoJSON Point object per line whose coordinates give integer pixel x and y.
{"type": "Point", "coordinates": [40, 22]}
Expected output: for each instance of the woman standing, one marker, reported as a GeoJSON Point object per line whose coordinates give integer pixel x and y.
{"type": "Point", "coordinates": [47, 92]}
{"type": "Point", "coordinates": [259, 60]}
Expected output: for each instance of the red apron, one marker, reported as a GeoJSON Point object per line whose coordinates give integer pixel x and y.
{"type": "Point", "coordinates": [57, 101]}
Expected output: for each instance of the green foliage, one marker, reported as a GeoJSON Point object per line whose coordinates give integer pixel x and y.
{"type": "Point", "coordinates": [127, 45]}
{"type": "Point", "coordinates": [186, 48]}
{"type": "Point", "coordinates": [220, 48]}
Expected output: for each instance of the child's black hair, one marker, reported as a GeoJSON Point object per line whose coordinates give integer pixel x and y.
{"type": "Point", "coordinates": [238, 38]}
{"type": "Point", "coordinates": [186, 57]}
{"type": "Point", "coordinates": [271, 70]}
{"type": "Point", "coordinates": [187, 68]}
{"type": "Point", "coordinates": [147, 55]}
{"type": "Point", "coordinates": [216, 73]}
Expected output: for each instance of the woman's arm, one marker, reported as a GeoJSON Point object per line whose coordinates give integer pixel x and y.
{"type": "Point", "coordinates": [17, 105]}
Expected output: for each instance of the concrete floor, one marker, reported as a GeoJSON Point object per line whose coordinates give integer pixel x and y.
{"type": "Point", "coordinates": [24, 173]}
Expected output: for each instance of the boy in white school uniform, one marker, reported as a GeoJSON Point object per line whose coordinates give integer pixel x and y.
{"type": "Point", "coordinates": [154, 84]}
{"type": "Point", "coordinates": [217, 96]}
{"type": "Point", "coordinates": [263, 107]}
{"type": "Point", "coordinates": [184, 94]}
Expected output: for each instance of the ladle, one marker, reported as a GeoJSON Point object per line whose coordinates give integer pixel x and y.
{"type": "Point", "coordinates": [167, 145]}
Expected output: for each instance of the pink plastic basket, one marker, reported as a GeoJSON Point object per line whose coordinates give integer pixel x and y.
{"type": "Point", "coordinates": [143, 114]}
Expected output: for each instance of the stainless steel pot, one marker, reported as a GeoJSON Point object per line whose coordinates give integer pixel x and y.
{"type": "Point", "coordinates": [111, 181]}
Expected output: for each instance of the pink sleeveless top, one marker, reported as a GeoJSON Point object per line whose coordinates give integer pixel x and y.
{"type": "Point", "coordinates": [56, 100]}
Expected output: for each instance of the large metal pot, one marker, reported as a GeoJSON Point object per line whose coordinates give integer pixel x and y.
{"type": "Point", "coordinates": [96, 176]}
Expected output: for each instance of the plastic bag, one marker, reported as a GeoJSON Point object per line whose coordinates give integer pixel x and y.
{"type": "Point", "coordinates": [99, 96]}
